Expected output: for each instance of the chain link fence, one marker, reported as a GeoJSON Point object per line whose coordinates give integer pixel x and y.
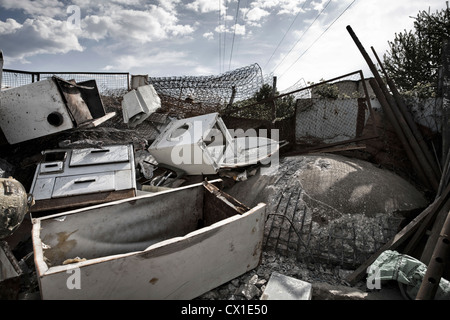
{"type": "Point", "coordinates": [337, 112]}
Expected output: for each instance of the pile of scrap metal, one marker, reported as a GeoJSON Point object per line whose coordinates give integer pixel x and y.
{"type": "Point", "coordinates": [98, 209]}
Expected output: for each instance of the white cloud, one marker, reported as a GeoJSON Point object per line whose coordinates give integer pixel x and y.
{"type": "Point", "coordinates": [239, 29]}
{"type": "Point", "coordinates": [10, 26]}
{"type": "Point", "coordinates": [256, 14]}
{"type": "Point", "coordinates": [279, 6]}
{"type": "Point", "coordinates": [204, 6]}
{"type": "Point", "coordinates": [169, 5]}
{"type": "Point", "coordinates": [208, 35]}
{"type": "Point", "coordinates": [267, 4]}
{"type": "Point", "coordinates": [46, 8]}
{"type": "Point", "coordinates": [318, 5]}
{"type": "Point", "coordinates": [134, 26]}
{"type": "Point", "coordinates": [291, 7]}
{"type": "Point", "coordinates": [36, 36]}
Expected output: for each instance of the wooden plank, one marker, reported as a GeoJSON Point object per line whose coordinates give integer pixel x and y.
{"type": "Point", "coordinates": [427, 223]}
{"type": "Point", "coordinates": [435, 233]}
{"type": "Point", "coordinates": [226, 198]}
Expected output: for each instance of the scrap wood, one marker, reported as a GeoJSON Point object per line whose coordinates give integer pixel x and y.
{"type": "Point", "coordinates": [238, 206]}
{"type": "Point", "coordinates": [404, 112]}
{"type": "Point", "coordinates": [335, 149]}
{"type": "Point", "coordinates": [437, 264]}
{"type": "Point", "coordinates": [440, 218]}
{"type": "Point", "coordinates": [414, 150]}
{"type": "Point", "coordinates": [435, 233]}
{"type": "Point", "coordinates": [440, 203]}
{"type": "Point", "coordinates": [393, 244]}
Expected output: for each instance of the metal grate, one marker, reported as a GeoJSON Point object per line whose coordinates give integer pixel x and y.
{"type": "Point", "coordinates": [294, 226]}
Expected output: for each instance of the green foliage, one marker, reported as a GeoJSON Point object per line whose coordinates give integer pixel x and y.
{"type": "Point", "coordinates": [327, 90]}
{"type": "Point", "coordinates": [285, 106]}
{"type": "Point", "coordinates": [414, 56]}
{"type": "Point", "coordinates": [332, 91]}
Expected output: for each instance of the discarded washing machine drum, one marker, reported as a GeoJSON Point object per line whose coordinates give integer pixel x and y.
{"type": "Point", "coordinates": [15, 204]}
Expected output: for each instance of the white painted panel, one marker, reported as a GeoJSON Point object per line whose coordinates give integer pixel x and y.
{"type": "Point", "coordinates": [47, 167]}
{"type": "Point", "coordinates": [179, 268]}
{"type": "Point", "coordinates": [43, 188]}
{"type": "Point", "coordinates": [175, 267]}
{"type": "Point", "coordinates": [83, 184]}
{"type": "Point", "coordinates": [24, 111]}
{"type": "Point", "coordinates": [124, 180]}
{"type": "Point", "coordinates": [92, 156]}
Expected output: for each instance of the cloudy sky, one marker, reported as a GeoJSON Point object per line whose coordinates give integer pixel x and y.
{"type": "Point", "coordinates": [293, 39]}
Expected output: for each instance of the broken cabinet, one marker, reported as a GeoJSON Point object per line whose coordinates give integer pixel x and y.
{"type": "Point", "coordinates": [68, 178]}
{"type": "Point", "coordinates": [49, 106]}
{"type": "Point", "coordinates": [175, 244]}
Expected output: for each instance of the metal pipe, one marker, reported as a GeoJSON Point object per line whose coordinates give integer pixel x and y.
{"type": "Point", "coordinates": [409, 119]}
{"type": "Point", "coordinates": [369, 104]}
{"type": "Point", "coordinates": [391, 117]}
{"type": "Point", "coordinates": [405, 131]}
{"type": "Point", "coordinates": [436, 267]}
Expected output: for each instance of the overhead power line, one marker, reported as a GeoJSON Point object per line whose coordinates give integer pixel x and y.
{"type": "Point", "coordinates": [317, 39]}
{"type": "Point", "coordinates": [220, 36]}
{"type": "Point", "coordinates": [284, 36]}
{"type": "Point", "coordinates": [234, 34]}
{"type": "Point", "coordinates": [276, 67]}
{"type": "Point", "coordinates": [224, 34]}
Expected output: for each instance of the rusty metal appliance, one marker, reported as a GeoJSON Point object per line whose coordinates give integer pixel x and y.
{"type": "Point", "coordinates": [15, 203]}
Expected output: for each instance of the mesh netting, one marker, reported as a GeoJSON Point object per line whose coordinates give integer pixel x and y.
{"type": "Point", "coordinates": [240, 84]}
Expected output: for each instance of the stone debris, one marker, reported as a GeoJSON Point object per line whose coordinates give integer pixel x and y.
{"type": "Point", "coordinates": [281, 287]}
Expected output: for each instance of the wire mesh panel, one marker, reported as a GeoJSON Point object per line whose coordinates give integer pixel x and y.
{"type": "Point", "coordinates": [234, 85]}
{"type": "Point", "coordinates": [114, 84]}
{"type": "Point", "coordinates": [337, 111]}
{"type": "Point", "coordinates": [12, 79]}
{"type": "Point", "coordinates": [302, 226]}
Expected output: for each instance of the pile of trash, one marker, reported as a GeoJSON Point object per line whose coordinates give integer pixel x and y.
{"type": "Point", "coordinates": [124, 201]}
{"type": "Point", "coordinates": [162, 191]}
